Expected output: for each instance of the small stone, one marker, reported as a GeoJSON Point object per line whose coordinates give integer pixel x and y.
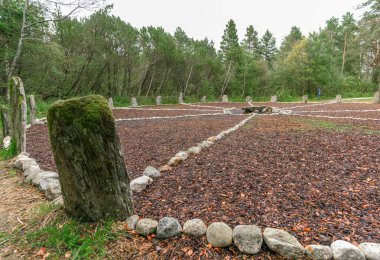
{"type": "Point", "coordinates": [194, 150]}
{"type": "Point", "coordinates": [343, 250]}
{"type": "Point", "coordinates": [23, 162]}
{"type": "Point", "coordinates": [194, 227]}
{"type": "Point", "coordinates": [370, 250]}
{"type": "Point", "coordinates": [53, 191]}
{"type": "Point", "coordinates": [151, 172]}
{"type": "Point", "coordinates": [165, 168]}
{"type": "Point", "coordinates": [168, 227]}
{"type": "Point", "coordinates": [318, 252]}
{"type": "Point", "coordinates": [205, 144]}
{"type": "Point", "coordinates": [33, 169]}
{"type": "Point", "coordinates": [44, 183]}
{"type": "Point", "coordinates": [146, 226]}
{"type": "Point", "coordinates": [183, 155]}
{"type": "Point", "coordinates": [219, 234]}
{"type": "Point", "coordinates": [132, 221]}
{"type": "Point", "coordinates": [248, 238]}
{"type": "Point", "coordinates": [6, 142]}
{"type": "Point", "coordinates": [44, 176]}
{"type": "Point", "coordinates": [174, 161]}
{"type": "Point", "coordinates": [139, 184]}
{"type": "Point", "coordinates": [211, 139]}
{"type": "Point", "coordinates": [58, 201]}
{"type": "Point", "coordinates": [283, 243]}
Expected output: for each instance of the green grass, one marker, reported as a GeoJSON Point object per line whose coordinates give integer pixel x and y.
{"type": "Point", "coordinates": [6, 154]}
{"type": "Point", "coordinates": [62, 234]}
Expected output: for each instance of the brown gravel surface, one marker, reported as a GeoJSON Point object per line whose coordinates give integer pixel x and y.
{"type": "Point", "coordinates": [145, 142]}
{"type": "Point", "coordinates": [338, 106]}
{"type": "Point", "coordinates": [319, 184]}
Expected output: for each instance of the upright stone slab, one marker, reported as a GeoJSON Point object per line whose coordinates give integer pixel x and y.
{"type": "Point", "coordinates": [134, 102]}
{"type": "Point", "coordinates": [90, 163]}
{"type": "Point", "coordinates": [158, 100]}
{"type": "Point", "coordinates": [18, 110]}
{"type": "Point", "coordinates": [110, 103]}
{"type": "Point", "coordinates": [376, 98]}
{"type": "Point", "coordinates": [273, 99]}
{"type": "Point", "coordinates": [304, 99]}
{"type": "Point", "coordinates": [180, 98]}
{"type": "Point", "coordinates": [224, 98]}
{"type": "Point", "coordinates": [203, 100]}
{"type": "Point", "coordinates": [32, 110]}
{"type": "Point", "coordinates": [248, 99]}
{"type": "Point", "coordinates": [338, 99]}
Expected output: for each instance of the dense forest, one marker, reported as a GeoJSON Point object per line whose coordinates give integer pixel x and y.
{"type": "Point", "coordinates": [60, 56]}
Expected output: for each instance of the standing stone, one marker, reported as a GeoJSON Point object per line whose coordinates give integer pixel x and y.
{"type": "Point", "coordinates": [134, 102]}
{"type": "Point", "coordinates": [110, 103]}
{"type": "Point", "coordinates": [203, 99]}
{"type": "Point", "coordinates": [343, 250]}
{"type": "Point", "coordinates": [225, 99]}
{"type": "Point", "coordinates": [4, 113]}
{"type": "Point", "coordinates": [273, 99]}
{"type": "Point", "coordinates": [32, 110]}
{"type": "Point", "coordinates": [87, 152]}
{"type": "Point", "coordinates": [18, 112]}
{"type": "Point", "coordinates": [283, 243]}
{"type": "Point", "coordinates": [248, 99]}
{"type": "Point", "coordinates": [180, 98]}
{"type": "Point", "coordinates": [338, 99]}
{"type": "Point", "coordinates": [376, 99]}
{"type": "Point", "coordinates": [219, 234]}
{"type": "Point", "coordinates": [248, 238]}
{"type": "Point", "coordinates": [158, 100]}
{"type": "Point", "coordinates": [304, 99]}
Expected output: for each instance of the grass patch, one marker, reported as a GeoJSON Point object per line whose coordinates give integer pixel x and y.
{"type": "Point", "coordinates": [6, 154]}
{"type": "Point", "coordinates": [60, 234]}
{"type": "Point", "coordinates": [318, 124]}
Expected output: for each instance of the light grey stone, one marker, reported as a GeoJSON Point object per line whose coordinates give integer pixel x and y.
{"type": "Point", "coordinates": [44, 175]}
{"type": "Point", "coordinates": [58, 201]}
{"type": "Point", "coordinates": [180, 98]}
{"type": "Point", "coordinates": [318, 252]}
{"type": "Point", "coordinates": [6, 142]}
{"type": "Point", "coordinates": [219, 234]}
{"type": "Point", "coordinates": [248, 99]}
{"type": "Point", "coordinates": [134, 102]}
{"type": "Point", "coordinates": [146, 226]}
{"type": "Point", "coordinates": [44, 183]}
{"type": "Point", "coordinates": [110, 103]}
{"type": "Point", "coordinates": [33, 169]}
{"type": "Point", "coordinates": [205, 144]}
{"type": "Point", "coordinates": [248, 238]}
{"type": "Point", "coordinates": [139, 184]}
{"type": "Point", "coordinates": [168, 227]}
{"type": "Point", "coordinates": [273, 99]}
{"type": "Point", "coordinates": [132, 221]}
{"type": "Point", "coordinates": [283, 243]}
{"type": "Point", "coordinates": [370, 250]}
{"type": "Point", "coordinates": [23, 162]}
{"type": "Point", "coordinates": [174, 161]}
{"type": "Point", "coordinates": [158, 100]}
{"type": "Point", "coordinates": [194, 150]}
{"type": "Point", "coordinates": [194, 227]}
{"type": "Point", "coordinates": [343, 250]}
{"type": "Point", "coordinates": [151, 172]}
{"type": "Point", "coordinates": [183, 155]}
{"type": "Point", "coordinates": [203, 100]}
{"type": "Point", "coordinates": [53, 191]}
{"type": "Point", "coordinates": [224, 98]}
{"type": "Point", "coordinates": [338, 98]}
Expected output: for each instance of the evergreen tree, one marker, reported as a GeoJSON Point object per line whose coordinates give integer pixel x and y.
{"type": "Point", "coordinates": [268, 46]}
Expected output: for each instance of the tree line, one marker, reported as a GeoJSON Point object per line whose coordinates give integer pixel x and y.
{"type": "Point", "coordinates": [64, 56]}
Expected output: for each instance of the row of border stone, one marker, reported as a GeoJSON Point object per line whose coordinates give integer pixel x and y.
{"type": "Point", "coordinates": [250, 238]}
{"type": "Point", "coordinates": [150, 173]}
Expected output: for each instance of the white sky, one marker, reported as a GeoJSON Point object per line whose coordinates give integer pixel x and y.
{"type": "Point", "coordinates": [207, 18]}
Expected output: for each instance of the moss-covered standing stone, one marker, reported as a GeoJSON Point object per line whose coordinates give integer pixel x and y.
{"type": "Point", "coordinates": [86, 149]}
{"type": "Point", "coordinates": [17, 112]}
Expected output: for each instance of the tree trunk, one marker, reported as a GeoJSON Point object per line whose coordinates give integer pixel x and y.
{"type": "Point", "coordinates": [344, 55]}
{"type": "Point", "coordinates": [225, 79]}
{"type": "Point", "coordinates": [32, 110]}
{"type": "Point", "coordinates": [86, 148]}
{"type": "Point", "coordinates": [188, 79]}
{"type": "Point", "coordinates": [18, 112]}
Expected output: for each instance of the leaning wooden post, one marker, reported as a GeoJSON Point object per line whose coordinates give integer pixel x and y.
{"type": "Point", "coordinates": [32, 110]}
{"type": "Point", "coordinates": [89, 159]}
{"type": "Point", "coordinates": [18, 111]}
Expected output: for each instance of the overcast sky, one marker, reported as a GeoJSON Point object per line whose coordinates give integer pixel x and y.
{"type": "Point", "coordinates": [207, 18]}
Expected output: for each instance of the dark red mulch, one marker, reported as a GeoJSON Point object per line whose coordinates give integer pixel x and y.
{"type": "Point", "coordinates": [338, 106]}
{"type": "Point", "coordinates": [357, 114]}
{"type": "Point", "coordinates": [144, 142]}
{"type": "Point", "coordinates": [139, 113]}
{"type": "Point", "coordinates": [320, 185]}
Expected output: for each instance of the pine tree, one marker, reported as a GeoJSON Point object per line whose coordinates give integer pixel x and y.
{"type": "Point", "coordinates": [268, 44]}
{"type": "Point", "coordinates": [251, 43]}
